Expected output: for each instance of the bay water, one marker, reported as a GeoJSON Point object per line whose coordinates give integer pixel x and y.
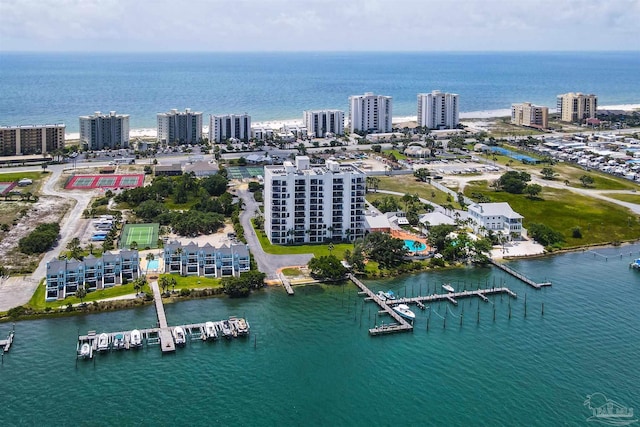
{"type": "Point", "coordinates": [310, 360]}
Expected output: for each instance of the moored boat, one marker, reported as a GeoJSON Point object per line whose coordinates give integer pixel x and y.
{"type": "Point", "coordinates": [243, 327]}
{"type": "Point", "coordinates": [103, 342]}
{"type": "Point", "coordinates": [386, 296]}
{"type": "Point", "coordinates": [136, 338]}
{"type": "Point", "coordinates": [118, 341]}
{"type": "Point", "coordinates": [404, 311]}
{"type": "Point", "coordinates": [447, 287]}
{"type": "Point", "coordinates": [226, 329]}
{"type": "Point", "coordinates": [179, 336]}
{"type": "Point", "coordinates": [210, 331]}
{"type": "Point", "coordinates": [635, 264]}
{"type": "Point", "coordinates": [85, 350]}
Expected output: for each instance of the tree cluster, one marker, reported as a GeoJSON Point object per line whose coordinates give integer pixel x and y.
{"type": "Point", "coordinates": [387, 251]}
{"type": "Point", "coordinates": [545, 235]}
{"type": "Point", "coordinates": [513, 182]}
{"type": "Point", "coordinates": [40, 240]}
{"type": "Point", "coordinates": [327, 267]}
{"type": "Point", "coordinates": [242, 286]}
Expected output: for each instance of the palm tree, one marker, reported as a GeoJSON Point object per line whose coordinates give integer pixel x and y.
{"type": "Point", "coordinates": [81, 292]}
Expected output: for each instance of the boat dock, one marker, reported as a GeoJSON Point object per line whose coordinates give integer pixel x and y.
{"type": "Point", "coordinates": [386, 306]}
{"type": "Point", "coordinates": [162, 335]}
{"type": "Point", "coordinates": [5, 345]}
{"type": "Point", "coordinates": [286, 283]}
{"type": "Point", "coordinates": [519, 276]}
{"type": "Point", "coordinates": [401, 326]}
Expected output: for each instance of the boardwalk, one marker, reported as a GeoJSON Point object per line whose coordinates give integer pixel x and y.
{"type": "Point", "coordinates": [401, 326]}
{"type": "Point", "coordinates": [286, 283]}
{"type": "Point", "coordinates": [452, 297]}
{"type": "Point", "coordinates": [519, 276]}
{"type": "Point", "coordinates": [164, 333]}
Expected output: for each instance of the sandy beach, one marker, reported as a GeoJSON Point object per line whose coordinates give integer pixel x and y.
{"type": "Point", "coordinates": [279, 124]}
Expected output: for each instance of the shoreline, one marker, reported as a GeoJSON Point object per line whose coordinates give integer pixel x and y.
{"type": "Point", "coordinates": [148, 132]}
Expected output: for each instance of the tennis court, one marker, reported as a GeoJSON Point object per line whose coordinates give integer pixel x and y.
{"type": "Point", "coordinates": [239, 172]}
{"type": "Point", "coordinates": [145, 235]}
{"type": "Point", "coordinates": [85, 182]}
{"type": "Point", "coordinates": [5, 187]}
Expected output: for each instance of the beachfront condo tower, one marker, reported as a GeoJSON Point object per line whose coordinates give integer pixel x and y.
{"type": "Point", "coordinates": [223, 128]}
{"type": "Point", "coordinates": [104, 131]}
{"type": "Point", "coordinates": [25, 140]}
{"type": "Point", "coordinates": [577, 107]}
{"type": "Point", "coordinates": [319, 123]}
{"type": "Point", "coordinates": [370, 113]}
{"type": "Point", "coordinates": [527, 114]}
{"type": "Point", "coordinates": [437, 110]}
{"type": "Point", "coordinates": [176, 127]}
{"type": "Point", "coordinates": [313, 203]}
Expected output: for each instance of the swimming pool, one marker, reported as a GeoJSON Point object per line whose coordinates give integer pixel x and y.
{"type": "Point", "coordinates": [414, 246]}
{"type": "Point", "coordinates": [513, 155]}
{"type": "Point", "coordinates": [153, 265]}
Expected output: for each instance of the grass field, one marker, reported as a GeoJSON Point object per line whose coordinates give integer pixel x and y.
{"type": "Point", "coordinates": [317, 250]}
{"type": "Point", "coordinates": [145, 235]}
{"type": "Point", "coordinates": [562, 210]}
{"type": "Point", "coordinates": [631, 198]}
{"type": "Point", "coordinates": [192, 282]}
{"type": "Point", "coordinates": [409, 184]}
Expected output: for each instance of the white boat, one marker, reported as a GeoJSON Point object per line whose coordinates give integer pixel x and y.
{"type": "Point", "coordinates": [635, 264]}
{"type": "Point", "coordinates": [85, 350]}
{"type": "Point", "coordinates": [386, 296]}
{"type": "Point", "coordinates": [210, 331]}
{"type": "Point", "coordinates": [179, 336]}
{"type": "Point", "coordinates": [447, 287]}
{"type": "Point", "coordinates": [103, 342]}
{"type": "Point", "coordinates": [226, 329]}
{"type": "Point", "coordinates": [136, 338]}
{"type": "Point", "coordinates": [118, 341]}
{"type": "Point", "coordinates": [404, 311]}
{"type": "Point", "coordinates": [243, 327]}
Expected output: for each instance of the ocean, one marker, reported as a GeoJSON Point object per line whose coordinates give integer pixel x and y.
{"type": "Point", "coordinates": [39, 88]}
{"type": "Point", "coordinates": [310, 361]}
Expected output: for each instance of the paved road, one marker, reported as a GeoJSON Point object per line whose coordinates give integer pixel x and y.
{"type": "Point", "coordinates": [16, 290]}
{"type": "Point", "coordinates": [267, 263]}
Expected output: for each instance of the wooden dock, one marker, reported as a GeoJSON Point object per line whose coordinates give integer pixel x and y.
{"type": "Point", "coordinates": [5, 345]}
{"type": "Point", "coordinates": [167, 344]}
{"type": "Point", "coordinates": [453, 297]}
{"type": "Point", "coordinates": [286, 283]}
{"type": "Point", "coordinates": [401, 324]}
{"type": "Point", "coordinates": [519, 276]}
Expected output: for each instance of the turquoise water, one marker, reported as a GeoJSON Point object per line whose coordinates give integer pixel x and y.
{"type": "Point", "coordinates": [310, 361]}
{"type": "Point", "coordinates": [411, 246]}
{"type": "Point", "coordinates": [153, 265]}
{"type": "Point", "coordinates": [59, 87]}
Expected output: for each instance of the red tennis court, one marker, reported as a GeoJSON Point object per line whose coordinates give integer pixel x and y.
{"type": "Point", "coordinates": [86, 182]}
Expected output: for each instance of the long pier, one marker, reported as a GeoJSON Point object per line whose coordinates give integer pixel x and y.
{"type": "Point", "coordinates": [163, 334]}
{"type": "Point", "coordinates": [519, 276]}
{"type": "Point", "coordinates": [401, 326]}
{"type": "Point", "coordinates": [453, 297]}
{"type": "Point", "coordinates": [286, 283]}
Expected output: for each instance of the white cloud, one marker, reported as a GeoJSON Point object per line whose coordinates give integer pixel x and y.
{"type": "Point", "coordinates": [319, 25]}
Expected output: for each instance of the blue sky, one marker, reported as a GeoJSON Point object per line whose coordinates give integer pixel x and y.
{"type": "Point", "coordinates": [318, 25]}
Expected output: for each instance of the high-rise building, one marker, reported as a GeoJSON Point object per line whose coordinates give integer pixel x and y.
{"type": "Point", "coordinates": [321, 122]}
{"type": "Point", "coordinates": [236, 126]}
{"type": "Point", "coordinates": [313, 203]}
{"type": "Point", "coordinates": [180, 127]}
{"type": "Point", "coordinates": [370, 113]}
{"type": "Point", "coordinates": [104, 130]}
{"type": "Point", "coordinates": [527, 114]}
{"type": "Point", "coordinates": [24, 140]}
{"type": "Point", "coordinates": [577, 107]}
{"type": "Point", "coordinates": [437, 110]}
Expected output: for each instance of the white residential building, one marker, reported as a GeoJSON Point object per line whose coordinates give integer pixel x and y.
{"type": "Point", "coordinates": [104, 130]}
{"type": "Point", "coordinates": [180, 127]}
{"type": "Point", "coordinates": [222, 128]}
{"type": "Point", "coordinates": [438, 110]}
{"type": "Point", "coordinates": [370, 113]}
{"type": "Point", "coordinates": [313, 203]}
{"type": "Point", "coordinates": [497, 217]}
{"type": "Point", "coordinates": [527, 114]}
{"type": "Point", "coordinates": [321, 122]}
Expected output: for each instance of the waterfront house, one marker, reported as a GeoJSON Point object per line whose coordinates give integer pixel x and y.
{"type": "Point", "coordinates": [64, 277]}
{"type": "Point", "coordinates": [497, 217]}
{"type": "Point", "coordinates": [207, 260]}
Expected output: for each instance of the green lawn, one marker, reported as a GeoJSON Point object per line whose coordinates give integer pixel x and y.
{"type": "Point", "coordinates": [37, 301]}
{"type": "Point", "coordinates": [192, 282]}
{"type": "Point", "coordinates": [317, 250]}
{"type": "Point", "coordinates": [16, 176]}
{"type": "Point", "coordinates": [291, 271]}
{"type": "Point", "coordinates": [398, 155]}
{"type": "Point", "coordinates": [562, 210]}
{"type": "Point", "coordinates": [409, 184]}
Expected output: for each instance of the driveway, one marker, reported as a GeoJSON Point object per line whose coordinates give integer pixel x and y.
{"type": "Point", "coordinates": [267, 263]}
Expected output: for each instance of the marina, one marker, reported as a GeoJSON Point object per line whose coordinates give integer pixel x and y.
{"type": "Point", "coordinates": [167, 337]}
{"type": "Point", "coordinates": [390, 306]}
